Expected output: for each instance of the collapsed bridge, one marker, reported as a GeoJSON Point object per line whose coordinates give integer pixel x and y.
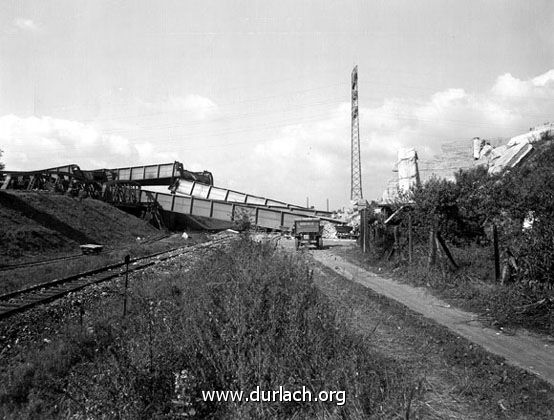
{"type": "Point", "coordinates": [71, 178]}
{"type": "Point", "coordinates": [193, 200]}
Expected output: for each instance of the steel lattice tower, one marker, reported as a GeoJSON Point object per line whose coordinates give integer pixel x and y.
{"type": "Point", "coordinates": [356, 165]}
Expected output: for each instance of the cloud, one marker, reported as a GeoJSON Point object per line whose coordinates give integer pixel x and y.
{"type": "Point", "coordinates": [34, 143]}
{"type": "Point", "coordinates": [509, 86]}
{"type": "Point", "coordinates": [31, 143]}
{"type": "Point", "coordinates": [545, 79]}
{"type": "Point", "coordinates": [299, 160]}
{"type": "Point", "coordinates": [314, 158]}
{"type": "Point", "coordinates": [195, 107]}
{"type": "Point", "coordinates": [26, 25]}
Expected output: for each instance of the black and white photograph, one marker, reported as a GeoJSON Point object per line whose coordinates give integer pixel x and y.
{"type": "Point", "coordinates": [294, 209]}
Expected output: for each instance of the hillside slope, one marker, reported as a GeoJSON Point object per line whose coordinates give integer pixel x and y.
{"type": "Point", "coordinates": [33, 223]}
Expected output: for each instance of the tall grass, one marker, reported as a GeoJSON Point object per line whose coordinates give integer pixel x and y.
{"type": "Point", "coordinates": [243, 317]}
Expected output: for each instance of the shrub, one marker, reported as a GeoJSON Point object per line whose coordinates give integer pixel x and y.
{"type": "Point", "coordinates": [462, 210]}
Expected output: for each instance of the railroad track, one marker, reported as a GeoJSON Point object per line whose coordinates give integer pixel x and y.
{"type": "Point", "coordinates": [16, 266]}
{"type": "Point", "coordinates": [24, 299]}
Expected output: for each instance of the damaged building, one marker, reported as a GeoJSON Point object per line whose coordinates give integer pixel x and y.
{"type": "Point", "coordinates": [495, 154]}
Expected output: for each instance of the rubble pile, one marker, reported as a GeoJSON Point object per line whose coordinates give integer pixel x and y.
{"type": "Point", "coordinates": [494, 154]}
{"type": "Point", "coordinates": [350, 215]}
{"type": "Point", "coordinates": [511, 154]}
{"type": "Point", "coordinates": [347, 214]}
{"type": "Point", "coordinates": [329, 231]}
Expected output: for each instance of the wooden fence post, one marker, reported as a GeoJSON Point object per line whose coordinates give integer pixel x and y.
{"type": "Point", "coordinates": [432, 257]}
{"type": "Point", "coordinates": [367, 232]}
{"type": "Point", "coordinates": [395, 247]}
{"type": "Point", "coordinates": [362, 230]}
{"type": "Point", "coordinates": [396, 233]}
{"type": "Point", "coordinates": [360, 238]}
{"type": "Point", "coordinates": [410, 239]}
{"type": "Point", "coordinates": [496, 253]}
{"type": "Point", "coordinates": [445, 249]}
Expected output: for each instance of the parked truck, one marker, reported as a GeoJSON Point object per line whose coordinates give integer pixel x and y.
{"type": "Point", "coordinates": [308, 232]}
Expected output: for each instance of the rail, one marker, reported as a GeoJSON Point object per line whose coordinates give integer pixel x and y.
{"type": "Point", "coordinates": [24, 299]}
{"type": "Point", "coordinates": [6, 267]}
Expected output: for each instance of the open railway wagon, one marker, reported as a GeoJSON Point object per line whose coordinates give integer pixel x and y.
{"type": "Point", "coordinates": [345, 232]}
{"type": "Point", "coordinates": [194, 202]}
{"type": "Point", "coordinates": [70, 179]}
{"type": "Point", "coordinates": [118, 186]}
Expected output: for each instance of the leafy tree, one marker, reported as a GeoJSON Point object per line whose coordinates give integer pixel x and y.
{"type": "Point", "coordinates": [462, 209]}
{"type": "Point", "coordinates": [436, 205]}
{"type": "Point", "coordinates": [529, 190]}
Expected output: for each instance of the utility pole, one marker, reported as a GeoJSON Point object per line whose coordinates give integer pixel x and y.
{"type": "Point", "coordinates": [356, 165]}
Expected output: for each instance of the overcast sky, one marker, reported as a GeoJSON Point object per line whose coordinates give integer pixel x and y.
{"type": "Point", "coordinates": [258, 92]}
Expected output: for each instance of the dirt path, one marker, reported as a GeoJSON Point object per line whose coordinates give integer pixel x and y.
{"type": "Point", "coordinates": [530, 352]}
{"type": "Point", "coordinates": [454, 378]}
{"type": "Point", "coordinates": [441, 392]}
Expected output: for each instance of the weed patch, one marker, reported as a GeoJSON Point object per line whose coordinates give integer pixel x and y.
{"type": "Point", "coordinates": [245, 317]}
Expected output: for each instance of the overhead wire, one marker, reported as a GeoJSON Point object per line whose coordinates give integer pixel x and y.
{"type": "Point", "coordinates": [362, 82]}
{"type": "Point", "coordinates": [276, 124]}
{"type": "Point", "coordinates": [288, 121]}
{"type": "Point", "coordinates": [241, 117]}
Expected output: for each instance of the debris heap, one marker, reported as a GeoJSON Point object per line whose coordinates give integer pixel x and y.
{"type": "Point", "coordinates": [348, 214]}
{"type": "Point", "coordinates": [495, 154]}
{"type": "Point", "coordinates": [512, 153]}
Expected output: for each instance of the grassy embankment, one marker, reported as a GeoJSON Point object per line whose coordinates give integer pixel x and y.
{"type": "Point", "coordinates": [37, 226]}
{"type": "Point", "coordinates": [240, 318]}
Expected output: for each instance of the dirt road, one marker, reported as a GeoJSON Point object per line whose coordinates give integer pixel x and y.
{"type": "Point", "coordinates": [436, 344]}
{"type": "Point", "coordinates": [530, 352]}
